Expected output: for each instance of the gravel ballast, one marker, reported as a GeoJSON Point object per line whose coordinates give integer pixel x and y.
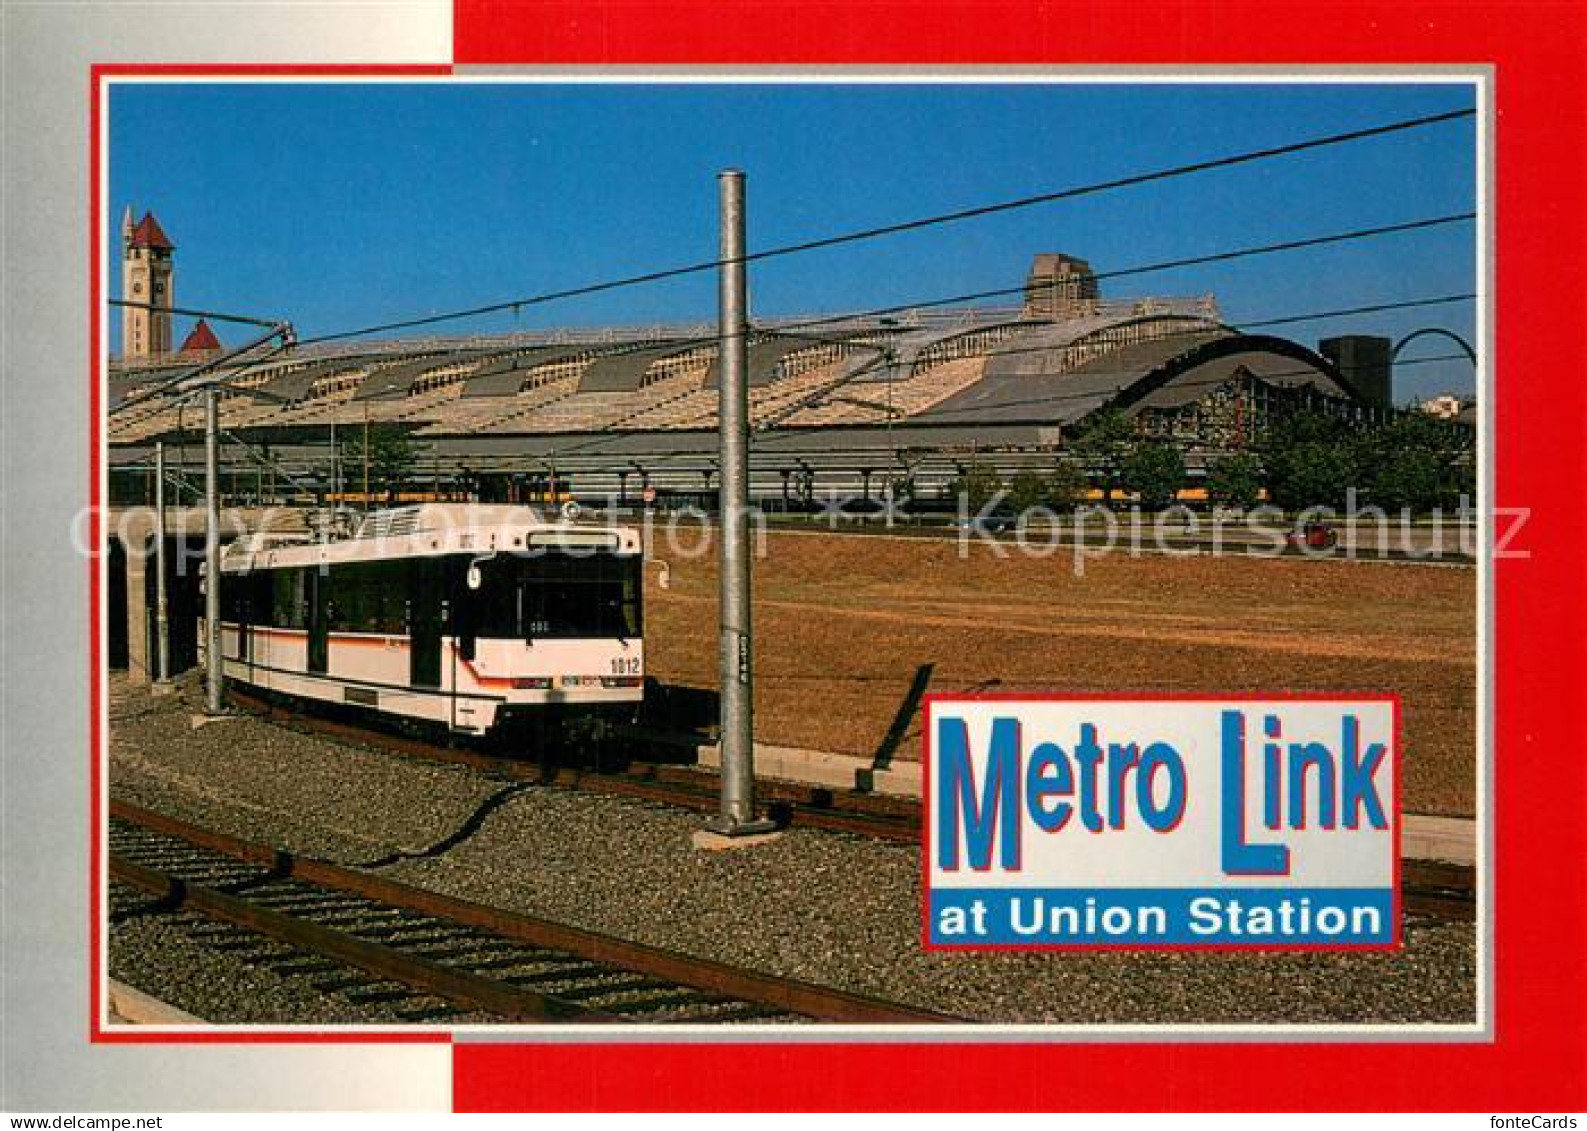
{"type": "Point", "coordinates": [160, 955]}
{"type": "Point", "coordinates": [824, 907]}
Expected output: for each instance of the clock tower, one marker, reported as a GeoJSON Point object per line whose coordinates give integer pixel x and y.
{"type": "Point", "coordinates": [148, 275]}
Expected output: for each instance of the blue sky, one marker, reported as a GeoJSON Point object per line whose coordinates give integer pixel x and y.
{"type": "Point", "coordinates": [341, 205]}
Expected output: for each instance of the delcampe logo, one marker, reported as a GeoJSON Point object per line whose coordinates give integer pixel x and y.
{"type": "Point", "coordinates": [1155, 823]}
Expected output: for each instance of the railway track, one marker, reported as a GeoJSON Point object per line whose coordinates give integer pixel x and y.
{"type": "Point", "coordinates": [870, 815]}
{"type": "Point", "coordinates": [1429, 888]}
{"type": "Point", "coordinates": [452, 957]}
{"type": "Point", "coordinates": [1439, 890]}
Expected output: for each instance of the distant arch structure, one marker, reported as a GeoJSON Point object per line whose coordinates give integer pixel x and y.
{"type": "Point", "coordinates": [1434, 332]}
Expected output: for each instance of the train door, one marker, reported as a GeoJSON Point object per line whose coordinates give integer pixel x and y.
{"type": "Point", "coordinates": [257, 602]}
{"type": "Point", "coordinates": [425, 617]}
{"type": "Point", "coordinates": [318, 581]}
{"type": "Point", "coordinates": [236, 601]}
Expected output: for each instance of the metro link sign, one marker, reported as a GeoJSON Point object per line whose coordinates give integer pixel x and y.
{"type": "Point", "coordinates": [1161, 823]}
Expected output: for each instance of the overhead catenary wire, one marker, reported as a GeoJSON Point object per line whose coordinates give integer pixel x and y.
{"type": "Point", "coordinates": [1375, 308]}
{"type": "Point", "coordinates": [162, 386]}
{"type": "Point", "coordinates": [585, 441]}
{"type": "Point", "coordinates": [793, 329]}
{"type": "Point", "coordinates": [673, 454]}
{"type": "Point", "coordinates": [1290, 319]}
{"type": "Point", "coordinates": [589, 444]}
{"type": "Point", "coordinates": [192, 312]}
{"type": "Point", "coordinates": [161, 393]}
{"type": "Point", "coordinates": [939, 219]}
{"type": "Point", "coordinates": [1142, 269]}
{"type": "Point", "coordinates": [1245, 324]}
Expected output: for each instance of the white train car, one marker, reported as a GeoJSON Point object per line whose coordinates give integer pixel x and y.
{"type": "Point", "coordinates": [477, 618]}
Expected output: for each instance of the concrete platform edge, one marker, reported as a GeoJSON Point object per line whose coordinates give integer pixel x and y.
{"type": "Point", "coordinates": [134, 1007]}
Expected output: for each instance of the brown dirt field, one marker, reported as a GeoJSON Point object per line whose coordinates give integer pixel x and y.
{"type": "Point", "coordinates": [843, 623]}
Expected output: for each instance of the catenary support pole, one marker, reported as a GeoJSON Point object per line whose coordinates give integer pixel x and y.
{"type": "Point", "coordinates": [162, 609]}
{"type": "Point", "coordinates": [214, 666]}
{"type": "Point", "coordinates": [737, 815]}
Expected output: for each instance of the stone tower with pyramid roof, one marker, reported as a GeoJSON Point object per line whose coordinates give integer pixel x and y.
{"type": "Point", "coordinates": [148, 275]}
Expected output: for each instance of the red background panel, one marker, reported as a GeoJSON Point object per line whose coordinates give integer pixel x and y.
{"type": "Point", "coordinates": [1539, 1060]}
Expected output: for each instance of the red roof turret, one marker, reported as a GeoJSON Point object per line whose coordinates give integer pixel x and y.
{"type": "Point", "coordinates": [149, 234]}
{"type": "Point", "coordinates": [201, 340]}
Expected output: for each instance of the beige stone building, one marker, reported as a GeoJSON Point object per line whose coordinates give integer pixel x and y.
{"type": "Point", "coordinates": [148, 275]}
{"type": "Point", "coordinates": [1060, 286]}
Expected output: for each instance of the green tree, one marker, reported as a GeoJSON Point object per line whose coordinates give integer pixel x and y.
{"type": "Point", "coordinates": [1462, 482]}
{"type": "Point", "coordinates": [1154, 472]}
{"type": "Point", "coordinates": [1310, 474]}
{"type": "Point", "coordinates": [977, 484]}
{"type": "Point", "coordinates": [1104, 441]}
{"type": "Point", "coordinates": [1409, 478]}
{"type": "Point", "coordinates": [1418, 461]}
{"type": "Point", "coordinates": [1305, 426]}
{"type": "Point", "coordinates": [1067, 487]}
{"type": "Point", "coordinates": [902, 489]}
{"type": "Point", "coordinates": [1061, 489]}
{"type": "Point", "coordinates": [1235, 480]}
{"type": "Point", "coordinates": [1027, 490]}
{"type": "Point", "coordinates": [392, 458]}
{"type": "Point", "coordinates": [1312, 459]}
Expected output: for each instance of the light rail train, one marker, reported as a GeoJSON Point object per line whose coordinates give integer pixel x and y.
{"type": "Point", "coordinates": [481, 619]}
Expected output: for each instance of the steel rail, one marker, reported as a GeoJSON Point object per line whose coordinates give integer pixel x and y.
{"type": "Point", "coordinates": [834, 810]}
{"type": "Point", "coordinates": [457, 986]}
{"type": "Point", "coordinates": [822, 1003]}
{"type": "Point", "coordinates": [1438, 888]}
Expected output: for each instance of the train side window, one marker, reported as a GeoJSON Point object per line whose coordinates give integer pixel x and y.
{"type": "Point", "coordinates": [290, 598]}
{"type": "Point", "coordinates": [344, 599]}
{"type": "Point", "coordinates": [633, 612]}
{"type": "Point", "coordinates": [440, 588]}
{"type": "Point", "coordinates": [387, 597]}
{"type": "Point", "coordinates": [233, 596]}
{"type": "Point", "coordinates": [261, 587]}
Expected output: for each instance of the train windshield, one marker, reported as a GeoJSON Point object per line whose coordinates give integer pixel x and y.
{"type": "Point", "coordinates": [557, 595]}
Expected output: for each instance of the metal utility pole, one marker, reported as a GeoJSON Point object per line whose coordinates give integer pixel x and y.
{"type": "Point", "coordinates": [183, 385]}
{"type": "Point", "coordinates": [215, 668]}
{"type": "Point", "coordinates": [162, 616]}
{"type": "Point", "coordinates": [737, 814]}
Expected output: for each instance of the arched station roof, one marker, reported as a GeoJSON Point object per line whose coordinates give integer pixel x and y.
{"type": "Point", "coordinates": [1183, 365]}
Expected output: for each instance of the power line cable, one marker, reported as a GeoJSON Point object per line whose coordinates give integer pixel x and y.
{"type": "Point", "coordinates": [1373, 309]}
{"type": "Point", "coordinates": [1405, 304]}
{"type": "Point", "coordinates": [939, 219]}
{"type": "Point", "coordinates": [676, 453]}
{"type": "Point", "coordinates": [1143, 269]}
{"type": "Point", "coordinates": [282, 330]}
{"type": "Point", "coordinates": [191, 312]}
{"type": "Point", "coordinates": [1314, 316]}
{"type": "Point", "coordinates": [1123, 272]}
